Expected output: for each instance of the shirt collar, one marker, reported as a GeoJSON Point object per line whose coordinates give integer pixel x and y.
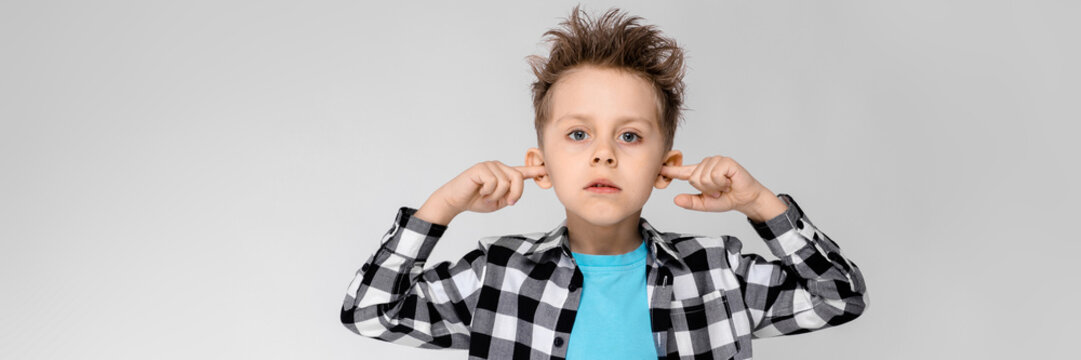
{"type": "Point", "coordinates": [555, 244]}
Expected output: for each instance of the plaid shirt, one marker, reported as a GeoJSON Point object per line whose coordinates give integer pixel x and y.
{"type": "Point", "coordinates": [516, 296]}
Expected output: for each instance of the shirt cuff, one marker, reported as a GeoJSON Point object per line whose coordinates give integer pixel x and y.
{"type": "Point", "coordinates": [775, 230]}
{"type": "Point", "coordinates": [413, 237]}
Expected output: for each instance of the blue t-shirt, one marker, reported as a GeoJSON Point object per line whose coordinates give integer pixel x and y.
{"type": "Point", "coordinates": [613, 314]}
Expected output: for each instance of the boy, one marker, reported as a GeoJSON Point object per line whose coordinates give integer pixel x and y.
{"type": "Point", "coordinates": [604, 283]}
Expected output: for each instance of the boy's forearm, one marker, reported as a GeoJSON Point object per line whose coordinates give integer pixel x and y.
{"type": "Point", "coordinates": [765, 207]}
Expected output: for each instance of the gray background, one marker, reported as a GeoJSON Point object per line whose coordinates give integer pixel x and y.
{"type": "Point", "coordinates": [201, 179]}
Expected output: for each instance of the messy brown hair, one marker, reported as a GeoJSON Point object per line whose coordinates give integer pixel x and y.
{"type": "Point", "coordinates": [614, 40]}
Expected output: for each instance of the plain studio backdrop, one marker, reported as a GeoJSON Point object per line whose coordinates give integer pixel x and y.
{"type": "Point", "coordinates": [202, 179]}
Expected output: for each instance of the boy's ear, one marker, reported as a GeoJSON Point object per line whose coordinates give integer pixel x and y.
{"type": "Point", "coordinates": [534, 157]}
{"type": "Point", "coordinates": [673, 158]}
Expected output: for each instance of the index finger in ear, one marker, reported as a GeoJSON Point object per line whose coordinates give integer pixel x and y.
{"type": "Point", "coordinates": [678, 172]}
{"type": "Point", "coordinates": [531, 171]}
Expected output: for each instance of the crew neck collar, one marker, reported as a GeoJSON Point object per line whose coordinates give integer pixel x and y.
{"type": "Point", "coordinates": [629, 258]}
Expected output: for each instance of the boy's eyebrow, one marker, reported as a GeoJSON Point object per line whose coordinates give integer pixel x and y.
{"type": "Point", "coordinates": [620, 120]}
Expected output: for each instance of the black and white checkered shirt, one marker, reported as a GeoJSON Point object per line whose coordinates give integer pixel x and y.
{"type": "Point", "coordinates": [516, 296]}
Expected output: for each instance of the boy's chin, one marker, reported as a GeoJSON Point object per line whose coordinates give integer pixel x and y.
{"type": "Point", "coordinates": [603, 215]}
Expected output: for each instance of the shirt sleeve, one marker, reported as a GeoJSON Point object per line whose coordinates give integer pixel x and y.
{"type": "Point", "coordinates": [812, 286]}
{"type": "Point", "coordinates": [395, 299]}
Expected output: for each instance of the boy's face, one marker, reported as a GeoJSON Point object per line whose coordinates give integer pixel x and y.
{"type": "Point", "coordinates": [603, 125]}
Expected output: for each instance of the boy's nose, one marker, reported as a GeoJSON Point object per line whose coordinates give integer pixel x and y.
{"type": "Point", "coordinates": [604, 158]}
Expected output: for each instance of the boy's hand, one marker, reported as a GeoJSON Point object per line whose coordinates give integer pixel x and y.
{"type": "Point", "coordinates": [485, 187]}
{"type": "Point", "coordinates": [725, 186]}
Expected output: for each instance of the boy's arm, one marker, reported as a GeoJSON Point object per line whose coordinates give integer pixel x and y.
{"type": "Point", "coordinates": [811, 287]}
{"type": "Point", "coordinates": [394, 299]}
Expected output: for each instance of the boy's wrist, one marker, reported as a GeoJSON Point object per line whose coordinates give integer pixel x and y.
{"type": "Point", "coordinates": [436, 211]}
{"type": "Point", "coordinates": [766, 206]}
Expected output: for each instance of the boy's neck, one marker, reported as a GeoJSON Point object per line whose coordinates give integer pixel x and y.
{"type": "Point", "coordinates": [619, 238]}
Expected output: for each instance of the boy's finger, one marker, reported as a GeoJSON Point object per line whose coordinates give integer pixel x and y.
{"type": "Point", "coordinates": [695, 178]}
{"type": "Point", "coordinates": [516, 184]}
{"type": "Point", "coordinates": [487, 181]}
{"type": "Point", "coordinates": [706, 177]}
{"type": "Point", "coordinates": [678, 172]}
{"type": "Point", "coordinates": [691, 202]}
{"type": "Point", "coordinates": [531, 171]}
{"type": "Point", "coordinates": [502, 182]}
{"type": "Point", "coordinates": [700, 202]}
{"type": "Point", "coordinates": [500, 191]}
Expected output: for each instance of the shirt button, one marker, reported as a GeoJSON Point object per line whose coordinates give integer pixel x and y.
{"type": "Point", "coordinates": [559, 342]}
{"type": "Point", "coordinates": [364, 268]}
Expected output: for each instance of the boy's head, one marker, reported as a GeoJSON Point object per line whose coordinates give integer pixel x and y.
{"type": "Point", "coordinates": [607, 102]}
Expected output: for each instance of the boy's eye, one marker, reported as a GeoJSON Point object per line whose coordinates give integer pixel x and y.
{"type": "Point", "coordinates": [577, 135]}
{"type": "Point", "coordinates": [629, 136]}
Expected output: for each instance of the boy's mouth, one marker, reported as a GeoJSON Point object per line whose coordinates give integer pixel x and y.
{"type": "Point", "coordinates": [603, 186]}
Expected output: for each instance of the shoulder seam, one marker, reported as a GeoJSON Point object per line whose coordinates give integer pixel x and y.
{"type": "Point", "coordinates": [488, 241]}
